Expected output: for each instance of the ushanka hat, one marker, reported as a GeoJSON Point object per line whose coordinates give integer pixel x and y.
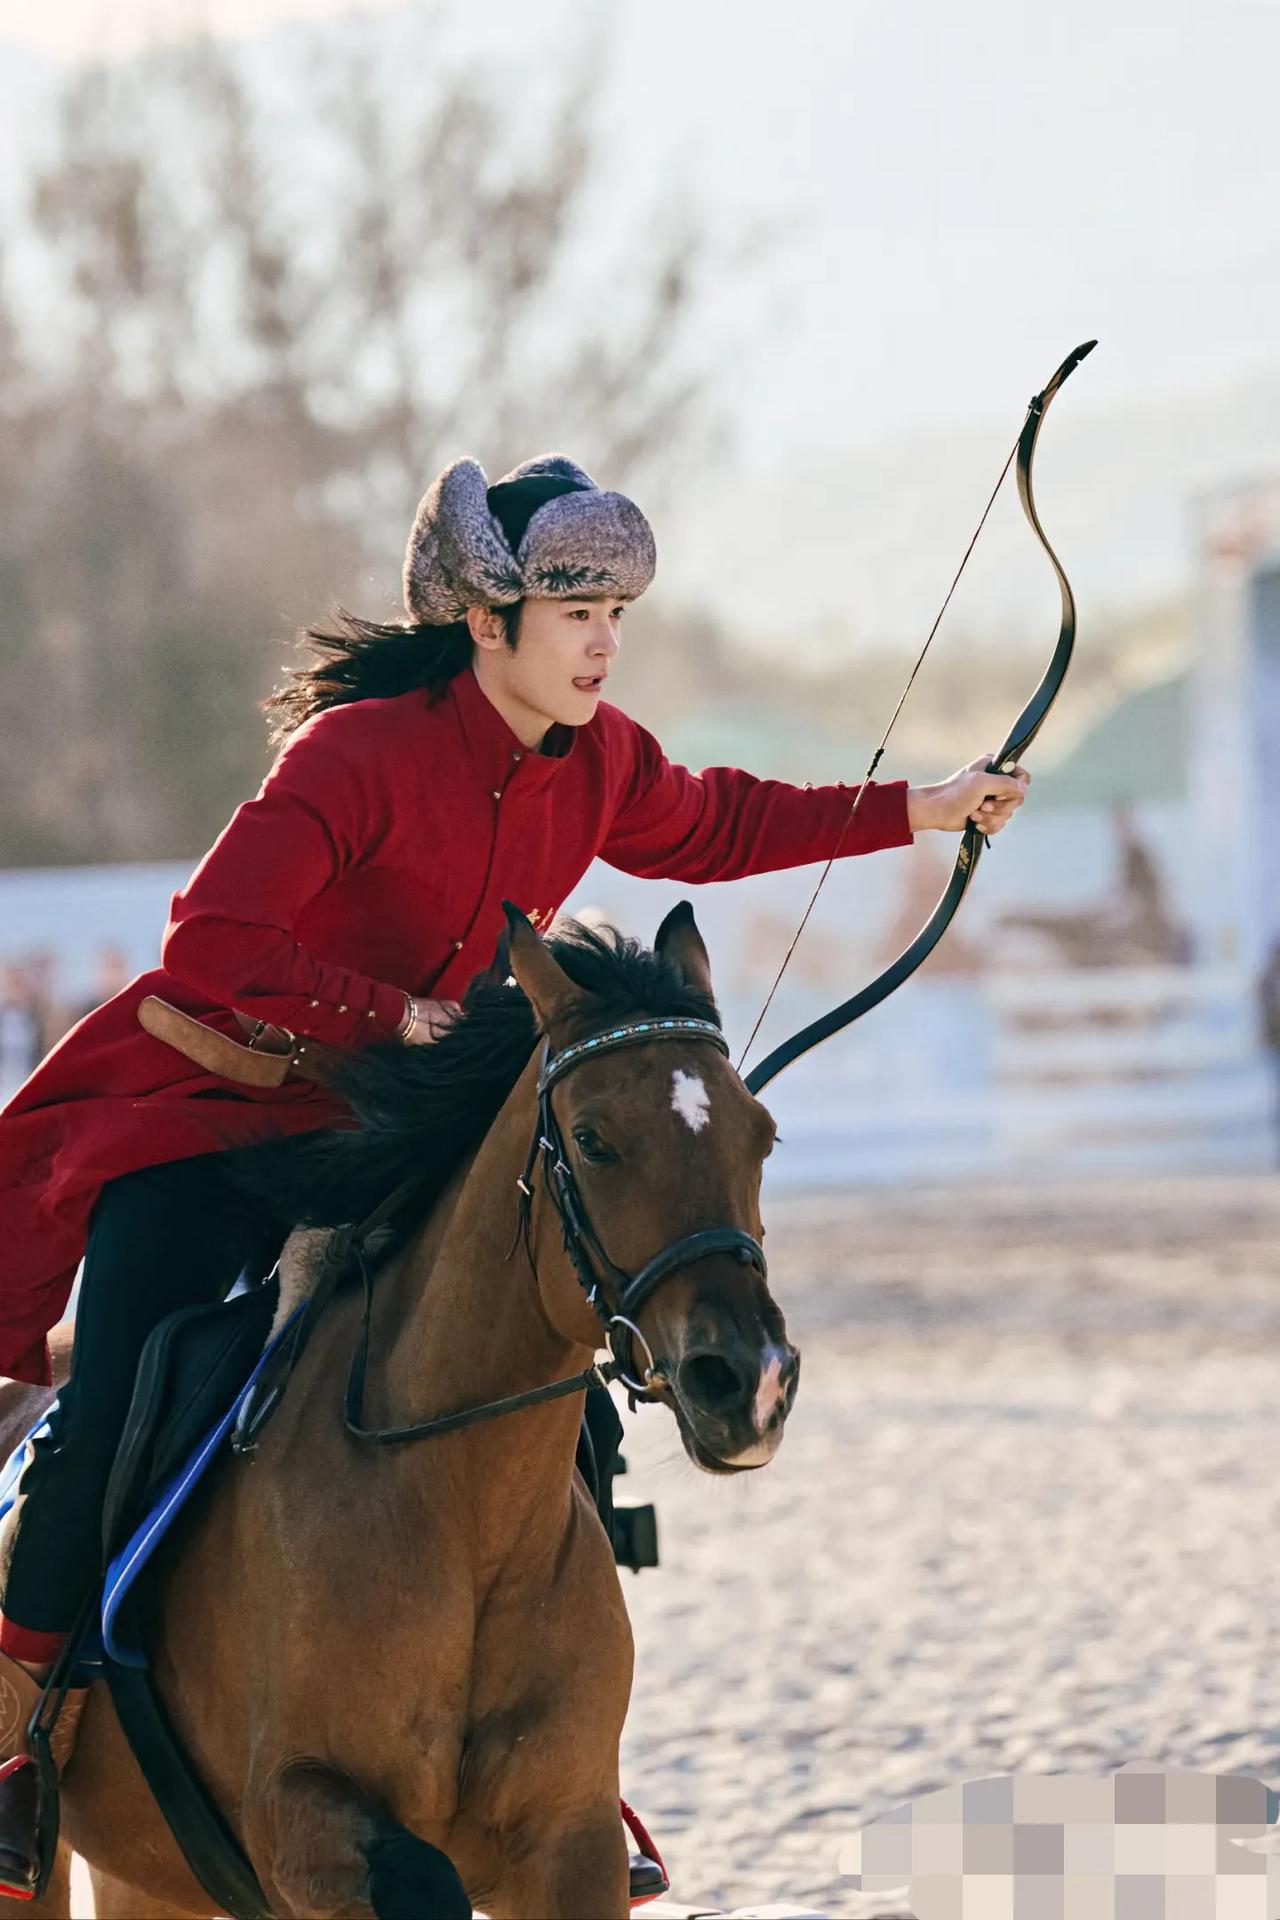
{"type": "Point", "coordinates": [544, 531]}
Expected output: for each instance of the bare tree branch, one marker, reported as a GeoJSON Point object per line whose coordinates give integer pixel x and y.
{"type": "Point", "coordinates": [287, 297]}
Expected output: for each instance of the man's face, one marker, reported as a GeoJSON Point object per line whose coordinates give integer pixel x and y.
{"type": "Point", "coordinates": [557, 670]}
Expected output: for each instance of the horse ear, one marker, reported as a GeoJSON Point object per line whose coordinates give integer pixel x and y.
{"type": "Point", "coordinates": [678, 939]}
{"type": "Point", "coordinates": [546, 985]}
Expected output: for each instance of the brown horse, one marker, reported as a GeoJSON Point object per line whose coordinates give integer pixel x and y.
{"type": "Point", "coordinates": [403, 1671]}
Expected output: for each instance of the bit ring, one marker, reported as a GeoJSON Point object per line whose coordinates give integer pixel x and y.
{"type": "Point", "coordinates": [632, 1386]}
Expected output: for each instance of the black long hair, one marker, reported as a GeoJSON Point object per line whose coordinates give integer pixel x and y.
{"type": "Point", "coordinates": [377, 659]}
{"type": "Point", "coordinates": [372, 660]}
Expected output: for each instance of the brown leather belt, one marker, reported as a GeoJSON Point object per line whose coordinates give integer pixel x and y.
{"type": "Point", "coordinates": [272, 1053]}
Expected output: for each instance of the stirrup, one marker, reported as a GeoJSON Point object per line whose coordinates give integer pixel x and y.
{"type": "Point", "coordinates": [30, 1813]}
{"type": "Point", "coordinates": [648, 1874]}
{"type": "Point", "coordinates": [20, 1852]}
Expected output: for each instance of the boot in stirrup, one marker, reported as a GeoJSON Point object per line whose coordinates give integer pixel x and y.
{"type": "Point", "coordinates": [19, 1780]}
{"type": "Point", "coordinates": [648, 1874]}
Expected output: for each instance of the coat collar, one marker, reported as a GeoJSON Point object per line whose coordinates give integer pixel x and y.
{"type": "Point", "coordinates": [496, 749]}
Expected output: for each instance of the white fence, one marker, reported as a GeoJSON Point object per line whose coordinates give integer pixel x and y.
{"type": "Point", "coordinates": [1135, 1066]}
{"type": "Point", "coordinates": [954, 1077]}
{"type": "Point", "coordinates": [1102, 1070]}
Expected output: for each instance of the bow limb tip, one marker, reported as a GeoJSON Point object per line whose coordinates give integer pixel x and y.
{"type": "Point", "coordinates": [1040, 401]}
{"type": "Point", "coordinates": [1071, 362]}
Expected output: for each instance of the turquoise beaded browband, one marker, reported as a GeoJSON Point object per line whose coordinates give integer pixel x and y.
{"type": "Point", "coordinates": [633, 1032]}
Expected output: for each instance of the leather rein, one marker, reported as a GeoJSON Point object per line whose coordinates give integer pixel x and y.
{"type": "Point", "coordinates": [615, 1295]}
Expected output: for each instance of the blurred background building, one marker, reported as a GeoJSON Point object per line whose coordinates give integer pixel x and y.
{"type": "Point", "coordinates": [259, 279]}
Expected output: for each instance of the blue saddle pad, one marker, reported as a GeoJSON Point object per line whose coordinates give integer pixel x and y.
{"type": "Point", "coordinates": [125, 1569]}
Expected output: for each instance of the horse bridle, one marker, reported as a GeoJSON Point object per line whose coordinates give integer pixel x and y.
{"type": "Point", "coordinates": [592, 1264]}
{"type": "Point", "coordinates": [598, 1275]}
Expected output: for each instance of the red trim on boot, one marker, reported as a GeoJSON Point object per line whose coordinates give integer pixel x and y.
{"type": "Point", "coordinates": [644, 1840]}
{"type": "Point", "coordinates": [26, 1643]}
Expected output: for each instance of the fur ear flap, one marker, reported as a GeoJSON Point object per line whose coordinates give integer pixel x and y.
{"type": "Point", "coordinates": [679, 941]}
{"type": "Point", "coordinates": [457, 553]}
{"type": "Point", "coordinates": [588, 544]}
{"type": "Point", "coordinates": [546, 985]}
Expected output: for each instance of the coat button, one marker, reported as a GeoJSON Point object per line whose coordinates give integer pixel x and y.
{"type": "Point", "coordinates": [457, 946]}
{"type": "Point", "coordinates": [369, 1013]}
{"type": "Point", "coordinates": [497, 793]}
{"type": "Point", "coordinates": [517, 756]}
{"type": "Point", "coordinates": [313, 1003]}
{"type": "Point", "coordinates": [343, 1007]}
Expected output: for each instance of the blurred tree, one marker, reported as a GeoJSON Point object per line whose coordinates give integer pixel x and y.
{"type": "Point", "coordinates": [274, 297]}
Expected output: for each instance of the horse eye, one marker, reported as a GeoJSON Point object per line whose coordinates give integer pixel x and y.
{"type": "Point", "coordinates": [592, 1147]}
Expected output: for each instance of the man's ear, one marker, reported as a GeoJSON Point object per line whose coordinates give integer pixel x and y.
{"type": "Point", "coordinates": [487, 626]}
{"type": "Point", "coordinates": [547, 987]}
{"type": "Point", "coordinates": [678, 940]}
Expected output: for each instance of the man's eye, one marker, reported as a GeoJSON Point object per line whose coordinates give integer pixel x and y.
{"type": "Point", "coordinates": [592, 1147]}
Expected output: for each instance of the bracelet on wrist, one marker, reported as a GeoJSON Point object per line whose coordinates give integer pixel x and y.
{"type": "Point", "coordinates": [410, 1017]}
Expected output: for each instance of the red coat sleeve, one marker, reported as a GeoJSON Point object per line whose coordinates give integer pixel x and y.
{"type": "Point", "coordinates": [317, 813]}
{"type": "Point", "coordinates": [721, 824]}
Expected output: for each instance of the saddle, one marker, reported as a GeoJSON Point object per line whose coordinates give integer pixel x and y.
{"type": "Point", "coordinates": [193, 1367]}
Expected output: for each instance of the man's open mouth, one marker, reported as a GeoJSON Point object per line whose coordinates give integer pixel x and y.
{"type": "Point", "coordinates": [590, 683]}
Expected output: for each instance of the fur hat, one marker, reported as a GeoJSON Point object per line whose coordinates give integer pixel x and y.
{"type": "Point", "coordinates": [578, 543]}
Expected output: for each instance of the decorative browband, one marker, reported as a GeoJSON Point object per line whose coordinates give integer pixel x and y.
{"type": "Point", "coordinates": [631, 1034]}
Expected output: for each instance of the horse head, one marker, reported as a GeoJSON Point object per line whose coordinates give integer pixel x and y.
{"type": "Point", "coordinates": [651, 1151]}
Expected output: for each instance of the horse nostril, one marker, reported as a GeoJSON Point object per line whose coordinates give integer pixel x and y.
{"type": "Point", "coordinates": [712, 1381]}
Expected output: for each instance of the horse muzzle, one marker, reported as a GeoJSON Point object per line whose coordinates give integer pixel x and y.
{"type": "Point", "coordinates": [732, 1401]}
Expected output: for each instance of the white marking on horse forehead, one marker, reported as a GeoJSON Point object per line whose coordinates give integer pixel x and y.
{"type": "Point", "coordinates": [689, 1098]}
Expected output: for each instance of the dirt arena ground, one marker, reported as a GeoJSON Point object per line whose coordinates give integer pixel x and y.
{"type": "Point", "coordinates": [1025, 1517]}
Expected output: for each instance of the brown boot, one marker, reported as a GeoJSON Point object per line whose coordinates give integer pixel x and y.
{"type": "Point", "coordinates": [19, 1785]}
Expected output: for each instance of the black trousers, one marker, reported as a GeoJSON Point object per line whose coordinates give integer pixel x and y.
{"type": "Point", "coordinates": [165, 1237]}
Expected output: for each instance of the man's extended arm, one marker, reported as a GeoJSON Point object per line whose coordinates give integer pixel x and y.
{"type": "Point", "coordinates": [722, 824]}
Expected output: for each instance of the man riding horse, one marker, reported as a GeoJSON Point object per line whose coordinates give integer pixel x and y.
{"type": "Point", "coordinates": [429, 769]}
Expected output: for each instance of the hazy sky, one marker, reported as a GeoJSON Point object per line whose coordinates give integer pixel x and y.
{"type": "Point", "coordinates": [971, 189]}
{"type": "Point", "coordinates": [965, 192]}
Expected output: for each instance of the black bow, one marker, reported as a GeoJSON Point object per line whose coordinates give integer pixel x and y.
{"type": "Point", "coordinates": [1019, 738]}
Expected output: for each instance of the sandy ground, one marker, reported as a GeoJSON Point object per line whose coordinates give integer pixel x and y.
{"type": "Point", "coordinates": [1025, 1517]}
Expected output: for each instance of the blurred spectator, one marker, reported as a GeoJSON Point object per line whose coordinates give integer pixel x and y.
{"type": "Point", "coordinates": [20, 1031]}
{"type": "Point", "coordinates": [1269, 1009]}
{"type": "Point", "coordinates": [111, 973]}
{"type": "Point", "coordinates": [1134, 927]}
{"type": "Point", "coordinates": [1145, 928]}
{"type": "Point", "coordinates": [40, 966]}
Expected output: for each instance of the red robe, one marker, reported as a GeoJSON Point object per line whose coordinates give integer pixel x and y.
{"type": "Point", "coordinates": [373, 860]}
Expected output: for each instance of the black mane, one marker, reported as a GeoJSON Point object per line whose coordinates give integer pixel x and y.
{"type": "Point", "coordinates": [422, 1110]}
